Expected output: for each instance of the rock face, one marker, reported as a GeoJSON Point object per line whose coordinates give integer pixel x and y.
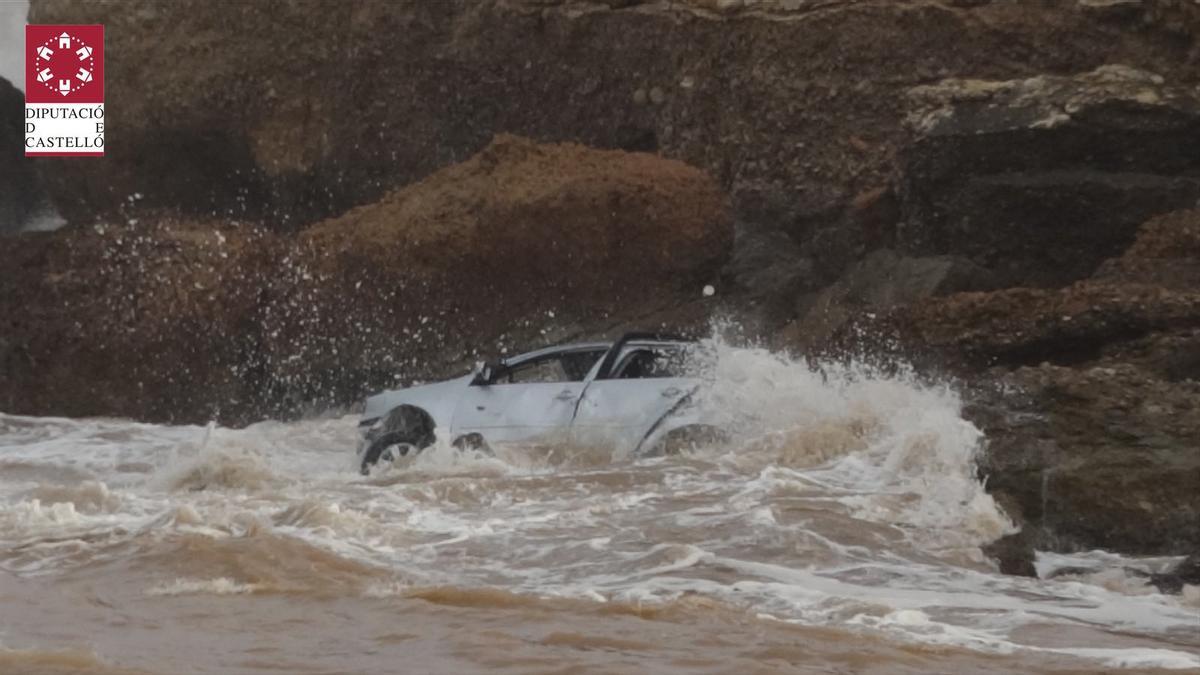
{"type": "Point", "coordinates": [1041, 179]}
{"type": "Point", "coordinates": [879, 282]}
{"type": "Point", "coordinates": [154, 322]}
{"type": "Point", "coordinates": [190, 321]}
{"type": "Point", "coordinates": [1102, 457]}
{"type": "Point", "coordinates": [1088, 393]}
{"type": "Point", "coordinates": [796, 107]}
{"type": "Point", "coordinates": [21, 195]}
{"type": "Point", "coordinates": [1142, 300]}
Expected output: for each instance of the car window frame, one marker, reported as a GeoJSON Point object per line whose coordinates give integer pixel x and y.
{"type": "Point", "coordinates": [504, 377]}
{"type": "Point", "coordinates": [632, 349]}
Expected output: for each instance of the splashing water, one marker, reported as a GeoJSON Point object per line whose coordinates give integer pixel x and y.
{"type": "Point", "coordinates": [848, 503]}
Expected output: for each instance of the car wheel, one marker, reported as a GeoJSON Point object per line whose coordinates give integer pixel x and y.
{"type": "Point", "coordinates": [407, 430]}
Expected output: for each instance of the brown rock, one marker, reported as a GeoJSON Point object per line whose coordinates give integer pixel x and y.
{"type": "Point", "coordinates": [334, 112]}
{"type": "Point", "coordinates": [879, 282]}
{"type": "Point", "coordinates": [1165, 253]}
{"type": "Point", "coordinates": [1085, 393]}
{"type": "Point", "coordinates": [1104, 457]}
{"type": "Point", "coordinates": [153, 322]}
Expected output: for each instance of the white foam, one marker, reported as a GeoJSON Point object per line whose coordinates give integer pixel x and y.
{"type": "Point", "coordinates": [848, 498]}
{"type": "Point", "coordinates": [218, 586]}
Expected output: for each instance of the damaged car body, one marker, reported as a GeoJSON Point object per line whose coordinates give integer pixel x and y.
{"type": "Point", "coordinates": [632, 394]}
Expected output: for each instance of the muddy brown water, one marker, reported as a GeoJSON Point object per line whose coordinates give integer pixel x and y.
{"type": "Point", "coordinates": [841, 536]}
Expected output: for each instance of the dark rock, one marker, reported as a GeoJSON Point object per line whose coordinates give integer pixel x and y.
{"type": "Point", "coordinates": [1014, 554]}
{"type": "Point", "coordinates": [1042, 179]}
{"type": "Point", "coordinates": [1107, 457]}
{"type": "Point", "coordinates": [1084, 393]}
{"type": "Point", "coordinates": [1173, 580]}
{"type": "Point", "coordinates": [1071, 571]}
{"type": "Point", "coordinates": [765, 272]}
{"type": "Point", "coordinates": [155, 321]}
{"type": "Point", "coordinates": [1142, 293]}
{"type": "Point", "coordinates": [1116, 10]}
{"type": "Point", "coordinates": [879, 282]}
{"type": "Point", "coordinates": [767, 263]}
{"type": "Point", "coordinates": [1165, 254]}
{"type": "Point", "coordinates": [874, 213]}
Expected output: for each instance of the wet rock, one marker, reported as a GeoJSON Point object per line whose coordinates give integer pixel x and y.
{"type": "Point", "coordinates": [248, 131]}
{"type": "Point", "coordinates": [1084, 392]}
{"type": "Point", "coordinates": [766, 270]}
{"type": "Point", "coordinates": [1114, 9]}
{"type": "Point", "coordinates": [1041, 179]}
{"type": "Point", "coordinates": [1014, 554]}
{"type": "Point", "coordinates": [1091, 434]}
{"type": "Point", "coordinates": [879, 282]}
{"type": "Point", "coordinates": [153, 321]}
{"type": "Point", "coordinates": [1105, 457]}
{"type": "Point", "coordinates": [1165, 254]}
{"type": "Point", "coordinates": [1144, 292]}
{"type": "Point", "coordinates": [185, 322]}
{"type": "Point", "coordinates": [1187, 571]}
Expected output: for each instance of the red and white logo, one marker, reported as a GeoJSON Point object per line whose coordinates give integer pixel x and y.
{"type": "Point", "coordinates": [64, 91]}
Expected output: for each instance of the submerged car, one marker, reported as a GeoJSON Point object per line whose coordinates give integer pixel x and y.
{"type": "Point", "coordinates": [632, 394]}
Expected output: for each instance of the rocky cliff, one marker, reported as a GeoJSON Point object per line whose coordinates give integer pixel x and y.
{"type": "Point", "coordinates": [1089, 393]}
{"type": "Point", "coordinates": [290, 113]}
{"type": "Point", "coordinates": [289, 187]}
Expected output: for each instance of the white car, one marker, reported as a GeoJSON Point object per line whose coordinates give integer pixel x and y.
{"type": "Point", "coordinates": [632, 394]}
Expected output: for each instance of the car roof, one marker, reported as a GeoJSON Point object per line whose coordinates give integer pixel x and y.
{"type": "Point", "coordinates": [558, 349]}
{"type": "Point", "coordinates": [635, 339]}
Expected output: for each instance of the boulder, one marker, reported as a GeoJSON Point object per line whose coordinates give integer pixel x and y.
{"type": "Point", "coordinates": [1165, 254]}
{"type": "Point", "coordinates": [1084, 393]}
{"type": "Point", "coordinates": [879, 282]}
{"type": "Point", "coordinates": [185, 321]}
{"type": "Point", "coordinates": [1186, 572]}
{"type": "Point", "coordinates": [1142, 294]}
{"type": "Point", "coordinates": [1103, 457]}
{"type": "Point", "coordinates": [758, 93]}
{"type": "Point", "coordinates": [1041, 179]}
{"type": "Point", "coordinates": [766, 270]}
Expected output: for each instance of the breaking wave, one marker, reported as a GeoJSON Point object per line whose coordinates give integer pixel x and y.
{"type": "Point", "coordinates": [847, 501]}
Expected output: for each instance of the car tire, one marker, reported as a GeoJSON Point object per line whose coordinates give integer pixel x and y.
{"type": "Point", "coordinates": [407, 429]}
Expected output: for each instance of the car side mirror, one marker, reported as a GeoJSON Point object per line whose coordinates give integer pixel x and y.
{"type": "Point", "coordinates": [488, 373]}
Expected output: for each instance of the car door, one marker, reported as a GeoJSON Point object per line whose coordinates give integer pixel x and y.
{"type": "Point", "coordinates": [533, 401]}
{"type": "Point", "coordinates": [646, 383]}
